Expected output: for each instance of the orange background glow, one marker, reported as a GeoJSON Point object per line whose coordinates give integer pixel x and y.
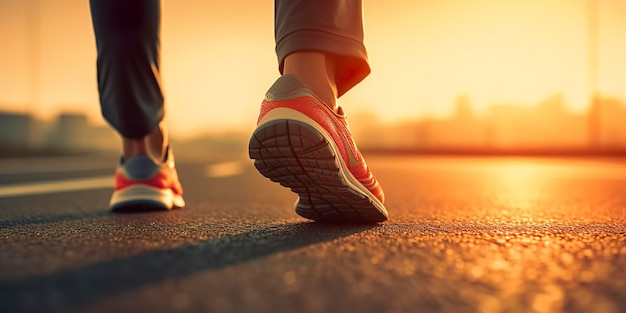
{"type": "Point", "coordinates": [218, 57]}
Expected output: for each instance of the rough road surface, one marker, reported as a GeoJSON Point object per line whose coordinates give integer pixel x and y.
{"type": "Point", "coordinates": [465, 235]}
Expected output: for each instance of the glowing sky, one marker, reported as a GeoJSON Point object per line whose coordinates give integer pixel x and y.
{"type": "Point", "coordinates": [218, 57]}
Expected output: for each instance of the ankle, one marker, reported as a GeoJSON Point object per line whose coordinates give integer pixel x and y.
{"type": "Point", "coordinates": [153, 145]}
{"type": "Point", "coordinates": [316, 71]}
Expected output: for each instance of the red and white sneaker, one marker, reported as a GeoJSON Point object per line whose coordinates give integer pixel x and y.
{"type": "Point", "coordinates": [302, 144]}
{"type": "Point", "coordinates": [143, 184]}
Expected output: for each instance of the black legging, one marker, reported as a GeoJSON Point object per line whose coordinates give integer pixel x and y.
{"type": "Point", "coordinates": [128, 42]}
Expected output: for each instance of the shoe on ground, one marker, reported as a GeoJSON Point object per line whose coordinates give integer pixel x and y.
{"type": "Point", "coordinates": [302, 144]}
{"type": "Point", "coordinates": [143, 184]}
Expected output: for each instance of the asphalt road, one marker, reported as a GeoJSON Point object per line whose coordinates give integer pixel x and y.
{"type": "Point", "coordinates": [464, 235]}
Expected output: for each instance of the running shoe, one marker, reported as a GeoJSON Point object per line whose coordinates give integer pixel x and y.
{"type": "Point", "coordinates": [143, 184]}
{"type": "Point", "coordinates": [302, 144]}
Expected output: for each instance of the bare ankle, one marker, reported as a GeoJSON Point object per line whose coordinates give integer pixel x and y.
{"type": "Point", "coordinates": [316, 71]}
{"type": "Point", "coordinates": [154, 144]}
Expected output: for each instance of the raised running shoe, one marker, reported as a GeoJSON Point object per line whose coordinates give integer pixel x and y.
{"type": "Point", "coordinates": [143, 184]}
{"type": "Point", "coordinates": [302, 144]}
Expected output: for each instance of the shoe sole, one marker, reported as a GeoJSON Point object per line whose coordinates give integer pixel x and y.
{"type": "Point", "coordinates": [143, 198]}
{"type": "Point", "coordinates": [298, 156]}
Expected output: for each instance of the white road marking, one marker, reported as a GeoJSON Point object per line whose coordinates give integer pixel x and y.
{"type": "Point", "coordinates": [224, 169]}
{"type": "Point", "coordinates": [75, 184]}
{"type": "Point", "coordinates": [22, 169]}
{"type": "Point", "coordinates": [40, 165]}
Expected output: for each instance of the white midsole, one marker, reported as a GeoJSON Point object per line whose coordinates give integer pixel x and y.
{"type": "Point", "coordinates": [147, 193]}
{"type": "Point", "coordinates": [347, 178]}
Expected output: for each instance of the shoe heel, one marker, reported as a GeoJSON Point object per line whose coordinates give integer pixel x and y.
{"type": "Point", "coordinates": [299, 157]}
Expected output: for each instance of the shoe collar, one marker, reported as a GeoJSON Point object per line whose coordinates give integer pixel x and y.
{"type": "Point", "coordinates": [167, 158]}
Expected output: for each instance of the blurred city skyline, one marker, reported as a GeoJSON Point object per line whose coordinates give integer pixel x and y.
{"type": "Point", "coordinates": [545, 128]}
{"type": "Point", "coordinates": [424, 54]}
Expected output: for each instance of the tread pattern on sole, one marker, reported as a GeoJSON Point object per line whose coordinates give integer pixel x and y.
{"type": "Point", "coordinates": [298, 157]}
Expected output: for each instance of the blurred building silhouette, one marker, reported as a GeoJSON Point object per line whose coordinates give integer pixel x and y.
{"type": "Point", "coordinates": [73, 132]}
{"type": "Point", "coordinates": [546, 126]}
{"type": "Point", "coordinates": [17, 130]}
{"type": "Point", "coordinates": [462, 130]}
{"type": "Point", "coordinates": [607, 123]}
{"type": "Point", "coordinates": [21, 134]}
